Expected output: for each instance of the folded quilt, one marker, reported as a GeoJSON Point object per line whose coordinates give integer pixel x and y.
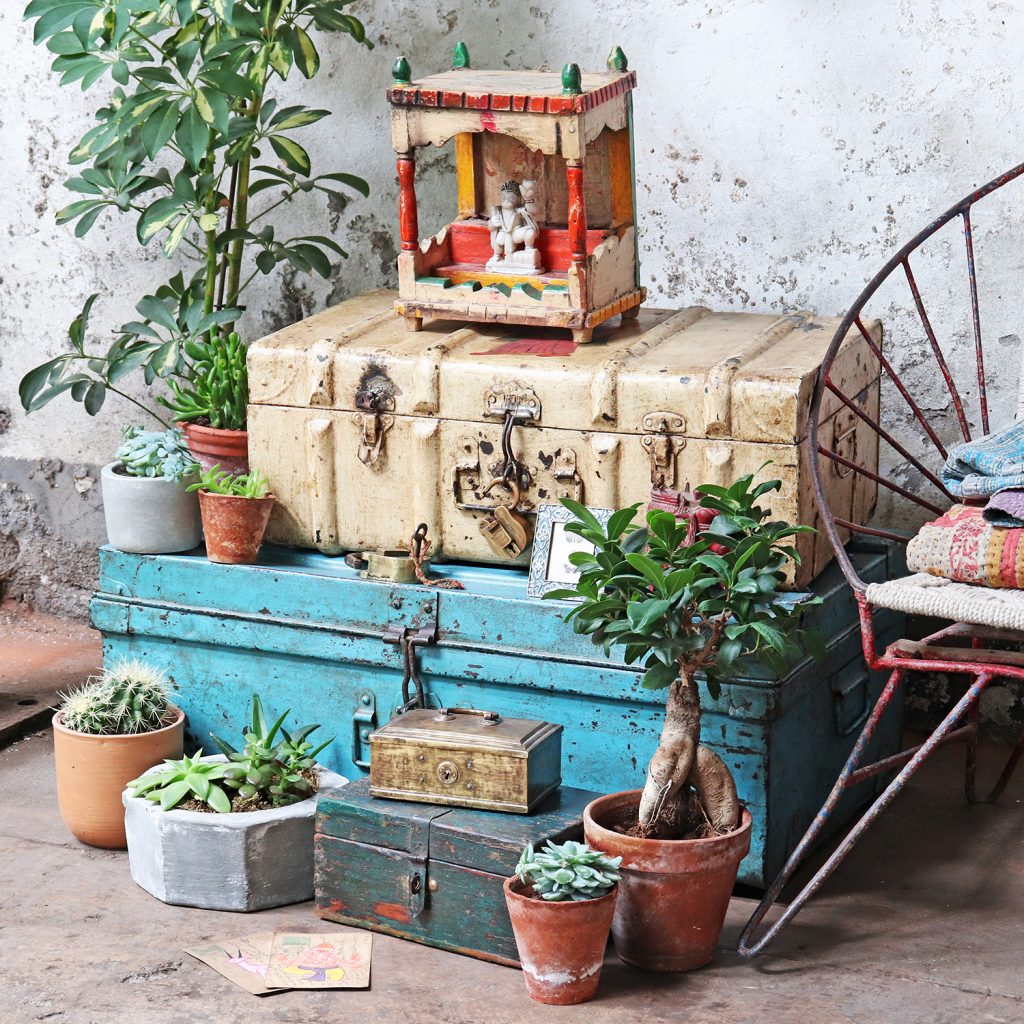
{"type": "Point", "coordinates": [962, 546]}
{"type": "Point", "coordinates": [979, 468]}
{"type": "Point", "coordinates": [1006, 508]}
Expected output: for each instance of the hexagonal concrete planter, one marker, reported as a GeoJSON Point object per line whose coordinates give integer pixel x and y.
{"type": "Point", "coordinates": [242, 862]}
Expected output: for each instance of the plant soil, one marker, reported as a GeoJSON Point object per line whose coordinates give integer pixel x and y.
{"type": "Point", "coordinates": [692, 824]}
{"type": "Point", "coordinates": [245, 804]}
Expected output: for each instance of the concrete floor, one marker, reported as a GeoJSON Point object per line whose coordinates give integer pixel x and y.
{"type": "Point", "coordinates": [921, 924]}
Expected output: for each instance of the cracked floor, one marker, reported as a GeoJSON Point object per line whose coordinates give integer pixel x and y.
{"type": "Point", "coordinates": [921, 924]}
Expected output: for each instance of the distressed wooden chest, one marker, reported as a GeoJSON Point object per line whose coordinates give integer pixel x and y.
{"type": "Point", "coordinates": [307, 633]}
{"type": "Point", "coordinates": [466, 757]}
{"type": "Point", "coordinates": [429, 873]}
{"type": "Point", "coordinates": [366, 430]}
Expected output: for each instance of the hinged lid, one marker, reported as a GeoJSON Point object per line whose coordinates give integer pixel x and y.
{"type": "Point", "coordinates": [467, 727]}
{"type": "Point", "coordinates": [482, 840]}
{"type": "Point", "coordinates": [740, 376]}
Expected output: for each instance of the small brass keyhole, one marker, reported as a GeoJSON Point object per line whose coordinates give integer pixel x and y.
{"type": "Point", "coordinates": [448, 773]}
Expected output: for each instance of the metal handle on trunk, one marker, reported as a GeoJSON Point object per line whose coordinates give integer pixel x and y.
{"type": "Point", "coordinates": [448, 715]}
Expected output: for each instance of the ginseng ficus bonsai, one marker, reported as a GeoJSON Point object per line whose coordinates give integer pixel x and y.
{"type": "Point", "coordinates": [191, 144]}
{"type": "Point", "coordinates": [687, 598]}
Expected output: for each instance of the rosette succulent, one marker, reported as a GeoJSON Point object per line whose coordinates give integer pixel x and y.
{"type": "Point", "coordinates": [568, 871]}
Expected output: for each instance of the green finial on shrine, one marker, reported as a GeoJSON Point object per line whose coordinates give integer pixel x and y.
{"type": "Point", "coordinates": [401, 73]}
{"type": "Point", "coordinates": [572, 83]}
{"type": "Point", "coordinates": [617, 60]}
{"type": "Point", "coordinates": [460, 57]}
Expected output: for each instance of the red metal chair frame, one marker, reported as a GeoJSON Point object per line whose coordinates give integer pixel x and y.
{"type": "Point", "coordinates": [939, 652]}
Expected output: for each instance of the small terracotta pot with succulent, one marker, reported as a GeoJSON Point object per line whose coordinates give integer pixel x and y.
{"type": "Point", "coordinates": [684, 596]}
{"type": "Point", "coordinates": [235, 509]}
{"type": "Point", "coordinates": [104, 734]}
{"type": "Point", "coordinates": [560, 902]}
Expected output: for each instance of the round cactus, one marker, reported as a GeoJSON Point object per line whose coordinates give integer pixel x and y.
{"type": "Point", "coordinates": [129, 697]}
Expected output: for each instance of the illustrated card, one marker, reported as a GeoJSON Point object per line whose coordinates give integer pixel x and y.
{"type": "Point", "coordinates": [336, 960]}
{"type": "Point", "coordinates": [243, 961]}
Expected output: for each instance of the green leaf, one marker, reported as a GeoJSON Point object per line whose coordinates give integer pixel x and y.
{"type": "Point", "coordinates": [353, 182]}
{"type": "Point", "coordinates": [94, 397]}
{"type": "Point", "coordinates": [175, 235]}
{"type": "Point", "coordinates": [307, 60]}
{"type": "Point", "coordinates": [173, 794]}
{"type": "Point", "coordinates": [649, 569]}
{"type": "Point", "coordinates": [644, 614]}
{"type": "Point", "coordinates": [265, 261]}
{"type": "Point", "coordinates": [293, 155]}
{"type": "Point", "coordinates": [158, 129]}
{"type": "Point", "coordinates": [192, 136]}
{"type": "Point", "coordinates": [153, 309]}
{"type": "Point", "coordinates": [658, 676]}
{"type": "Point", "coordinates": [218, 800]}
{"type": "Point", "coordinates": [213, 109]}
{"type": "Point", "coordinates": [158, 216]}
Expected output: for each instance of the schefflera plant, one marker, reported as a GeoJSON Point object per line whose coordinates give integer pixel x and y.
{"type": "Point", "coordinates": [681, 603]}
{"type": "Point", "coordinates": [568, 871]}
{"type": "Point", "coordinates": [192, 144]}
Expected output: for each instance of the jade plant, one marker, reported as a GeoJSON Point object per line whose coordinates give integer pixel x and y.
{"type": "Point", "coordinates": [129, 697]}
{"type": "Point", "coordinates": [156, 453]}
{"type": "Point", "coordinates": [568, 871]}
{"type": "Point", "coordinates": [236, 485]}
{"type": "Point", "coordinates": [191, 142]}
{"type": "Point", "coordinates": [683, 599]}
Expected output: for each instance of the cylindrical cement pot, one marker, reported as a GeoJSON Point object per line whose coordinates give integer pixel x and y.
{"type": "Point", "coordinates": [234, 526]}
{"type": "Point", "coordinates": [92, 772]}
{"type": "Point", "coordinates": [674, 892]}
{"type": "Point", "coordinates": [241, 861]}
{"type": "Point", "coordinates": [561, 944]}
{"type": "Point", "coordinates": [212, 446]}
{"type": "Point", "coordinates": [149, 515]}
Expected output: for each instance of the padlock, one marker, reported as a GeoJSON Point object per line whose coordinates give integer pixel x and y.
{"type": "Point", "coordinates": [505, 529]}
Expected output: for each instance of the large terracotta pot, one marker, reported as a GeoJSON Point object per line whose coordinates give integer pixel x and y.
{"type": "Point", "coordinates": [674, 893]}
{"type": "Point", "coordinates": [211, 446]}
{"type": "Point", "coordinates": [561, 945]}
{"type": "Point", "coordinates": [92, 772]}
{"type": "Point", "coordinates": [234, 526]}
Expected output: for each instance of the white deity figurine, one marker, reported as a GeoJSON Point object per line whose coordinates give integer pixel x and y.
{"type": "Point", "coordinates": [514, 231]}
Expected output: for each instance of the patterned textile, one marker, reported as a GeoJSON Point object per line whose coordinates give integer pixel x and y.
{"type": "Point", "coordinates": [962, 546]}
{"type": "Point", "coordinates": [922, 594]}
{"type": "Point", "coordinates": [979, 468]}
{"type": "Point", "coordinates": [1006, 508]}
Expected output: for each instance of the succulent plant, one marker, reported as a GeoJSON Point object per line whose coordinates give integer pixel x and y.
{"type": "Point", "coordinates": [219, 389]}
{"type": "Point", "coordinates": [267, 768]}
{"type": "Point", "coordinates": [156, 453]}
{"type": "Point", "coordinates": [239, 485]}
{"type": "Point", "coordinates": [191, 777]}
{"type": "Point", "coordinates": [130, 697]}
{"type": "Point", "coordinates": [568, 871]}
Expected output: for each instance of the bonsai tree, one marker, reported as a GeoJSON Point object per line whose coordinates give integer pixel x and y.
{"type": "Point", "coordinates": [684, 598]}
{"type": "Point", "coordinates": [184, 143]}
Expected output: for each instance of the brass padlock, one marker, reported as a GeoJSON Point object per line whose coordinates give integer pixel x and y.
{"type": "Point", "coordinates": [505, 529]}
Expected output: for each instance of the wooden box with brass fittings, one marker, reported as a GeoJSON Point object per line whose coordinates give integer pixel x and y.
{"type": "Point", "coordinates": [426, 872]}
{"type": "Point", "coordinates": [463, 757]}
{"type": "Point", "coordinates": [365, 429]}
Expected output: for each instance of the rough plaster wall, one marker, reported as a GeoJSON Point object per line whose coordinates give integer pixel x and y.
{"type": "Point", "coordinates": [784, 151]}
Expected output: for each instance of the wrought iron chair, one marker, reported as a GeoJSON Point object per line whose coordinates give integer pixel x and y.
{"type": "Point", "coordinates": [980, 615]}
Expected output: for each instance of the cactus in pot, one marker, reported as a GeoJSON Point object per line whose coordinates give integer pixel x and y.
{"type": "Point", "coordinates": [104, 733]}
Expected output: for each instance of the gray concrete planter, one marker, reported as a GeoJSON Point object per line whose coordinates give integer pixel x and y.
{"type": "Point", "coordinates": [149, 515]}
{"type": "Point", "coordinates": [242, 862]}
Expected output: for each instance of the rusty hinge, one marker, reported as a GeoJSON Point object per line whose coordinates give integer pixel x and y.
{"type": "Point", "coordinates": [408, 639]}
{"type": "Point", "coordinates": [662, 445]}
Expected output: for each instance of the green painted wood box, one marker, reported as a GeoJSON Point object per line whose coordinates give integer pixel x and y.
{"type": "Point", "coordinates": [429, 873]}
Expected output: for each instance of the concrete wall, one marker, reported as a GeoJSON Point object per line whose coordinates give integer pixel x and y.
{"type": "Point", "coordinates": [785, 149]}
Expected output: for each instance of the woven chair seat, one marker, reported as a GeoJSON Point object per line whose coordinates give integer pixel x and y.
{"type": "Point", "coordinates": [923, 594]}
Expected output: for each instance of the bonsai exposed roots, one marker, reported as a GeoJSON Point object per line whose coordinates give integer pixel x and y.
{"type": "Point", "coordinates": [682, 767]}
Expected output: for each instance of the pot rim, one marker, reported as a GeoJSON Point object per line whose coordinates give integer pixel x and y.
{"type": "Point", "coordinates": [199, 428]}
{"type": "Point", "coordinates": [110, 470]}
{"type": "Point", "coordinates": [235, 497]}
{"type": "Point", "coordinates": [637, 842]}
{"type": "Point", "coordinates": [58, 724]}
{"type": "Point", "coordinates": [559, 905]}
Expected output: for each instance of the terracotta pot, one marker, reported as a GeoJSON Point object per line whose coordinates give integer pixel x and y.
{"type": "Point", "coordinates": [234, 526]}
{"type": "Point", "coordinates": [561, 945]}
{"type": "Point", "coordinates": [674, 892]}
{"type": "Point", "coordinates": [92, 772]}
{"type": "Point", "coordinates": [211, 446]}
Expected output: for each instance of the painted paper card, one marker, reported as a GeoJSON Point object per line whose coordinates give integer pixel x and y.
{"type": "Point", "coordinates": [299, 960]}
{"type": "Point", "coordinates": [243, 961]}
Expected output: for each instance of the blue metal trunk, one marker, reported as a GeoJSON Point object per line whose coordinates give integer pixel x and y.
{"type": "Point", "coordinates": [307, 633]}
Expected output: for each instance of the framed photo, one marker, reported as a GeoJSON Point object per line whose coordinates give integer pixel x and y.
{"type": "Point", "coordinates": [550, 568]}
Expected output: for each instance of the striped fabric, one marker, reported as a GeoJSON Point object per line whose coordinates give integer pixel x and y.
{"type": "Point", "coordinates": [979, 468]}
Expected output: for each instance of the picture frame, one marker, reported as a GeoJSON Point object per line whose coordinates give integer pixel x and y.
{"type": "Point", "coordinates": [549, 564]}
